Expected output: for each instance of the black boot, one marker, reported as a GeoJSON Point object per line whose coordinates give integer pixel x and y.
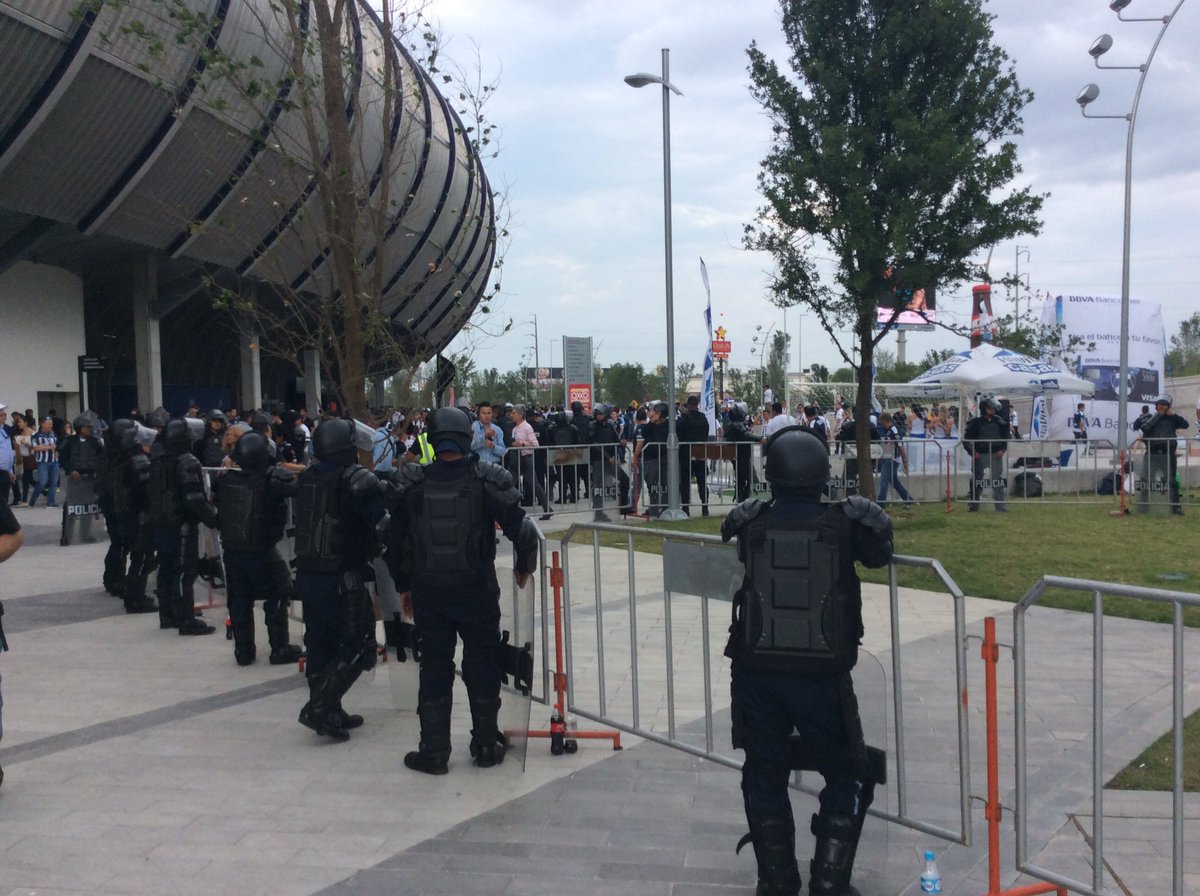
{"type": "Point", "coordinates": [774, 841]}
{"type": "Point", "coordinates": [282, 653]}
{"type": "Point", "coordinates": [242, 626]}
{"type": "Point", "coordinates": [348, 720]}
{"type": "Point", "coordinates": [140, 604]}
{"type": "Point", "coordinates": [185, 616]}
{"type": "Point", "coordinates": [318, 713]}
{"type": "Point", "coordinates": [487, 743]}
{"type": "Point", "coordinates": [833, 857]}
{"type": "Point", "coordinates": [432, 756]}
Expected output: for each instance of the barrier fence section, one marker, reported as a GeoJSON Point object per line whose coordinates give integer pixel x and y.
{"type": "Point", "coordinates": [636, 670]}
{"type": "Point", "coordinates": [1098, 590]}
{"type": "Point", "coordinates": [606, 480]}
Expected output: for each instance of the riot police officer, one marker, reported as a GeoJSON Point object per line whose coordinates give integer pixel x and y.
{"type": "Point", "coordinates": [442, 552]}
{"type": "Point", "coordinates": [605, 471]}
{"type": "Point", "coordinates": [738, 432]}
{"type": "Point", "coordinates": [131, 509]}
{"type": "Point", "coordinates": [252, 501]}
{"type": "Point", "coordinates": [178, 507]}
{"type": "Point", "coordinates": [81, 458]}
{"type": "Point", "coordinates": [1158, 431]}
{"type": "Point", "coordinates": [210, 448]}
{"type": "Point", "coordinates": [791, 662]}
{"type": "Point", "coordinates": [107, 484]}
{"type": "Point", "coordinates": [986, 440]}
{"type": "Point", "coordinates": [340, 514]}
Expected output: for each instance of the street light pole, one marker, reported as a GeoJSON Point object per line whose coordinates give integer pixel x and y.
{"type": "Point", "coordinates": [1088, 95]}
{"type": "Point", "coordinates": [674, 511]}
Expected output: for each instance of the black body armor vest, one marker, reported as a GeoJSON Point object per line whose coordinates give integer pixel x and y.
{"type": "Point", "coordinates": [454, 539]}
{"type": "Point", "coordinates": [242, 501]}
{"type": "Point", "coordinates": [166, 504]}
{"type": "Point", "coordinates": [793, 612]}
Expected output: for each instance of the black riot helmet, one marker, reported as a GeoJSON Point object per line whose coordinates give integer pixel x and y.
{"type": "Point", "coordinates": [260, 421]}
{"type": "Point", "coordinates": [1163, 399]}
{"type": "Point", "coordinates": [252, 452]}
{"type": "Point", "coordinates": [737, 413]}
{"type": "Point", "coordinates": [796, 459]}
{"type": "Point", "coordinates": [599, 408]}
{"type": "Point", "coordinates": [118, 430]}
{"type": "Point", "coordinates": [83, 420]}
{"type": "Point", "coordinates": [334, 441]}
{"type": "Point", "coordinates": [217, 414]}
{"type": "Point", "coordinates": [988, 402]}
{"type": "Point", "coordinates": [452, 425]}
{"type": "Point", "coordinates": [180, 434]}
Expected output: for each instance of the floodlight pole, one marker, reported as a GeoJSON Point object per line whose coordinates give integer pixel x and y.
{"type": "Point", "coordinates": [1086, 96]}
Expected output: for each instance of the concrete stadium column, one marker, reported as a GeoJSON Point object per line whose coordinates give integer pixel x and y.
{"type": "Point", "coordinates": [312, 382]}
{"type": "Point", "coordinates": [251, 386]}
{"type": "Point", "coordinates": [147, 350]}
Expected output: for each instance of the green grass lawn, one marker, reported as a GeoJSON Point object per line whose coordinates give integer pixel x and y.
{"type": "Point", "coordinates": [1001, 556]}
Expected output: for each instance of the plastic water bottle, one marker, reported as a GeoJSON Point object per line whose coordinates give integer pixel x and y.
{"type": "Point", "coordinates": [931, 878]}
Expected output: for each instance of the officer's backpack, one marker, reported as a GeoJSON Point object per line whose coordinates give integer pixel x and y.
{"type": "Point", "coordinates": [1028, 485]}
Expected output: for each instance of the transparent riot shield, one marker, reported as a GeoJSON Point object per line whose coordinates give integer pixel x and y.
{"type": "Point", "coordinates": [1156, 486]}
{"type": "Point", "coordinates": [603, 475]}
{"type": "Point", "coordinates": [400, 637]}
{"type": "Point", "coordinates": [870, 693]}
{"type": "Point", "coordinates": [516, 652]}
{"type": "Point", "coordinates": [82, 522]}
{"type": "Point", "coordinates": [874, 708]}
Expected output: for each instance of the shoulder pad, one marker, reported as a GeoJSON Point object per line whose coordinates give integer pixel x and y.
{"type": "Point", "coordinates": [280, 474]}
{"type": "Point", "coordinates": [739, 516]}
{"type": "Point", "coordinates": [361, 482]}
{"type": "Point", "coordinates": [186, 465]}
{"type": "Point", "coordinates": [493, 474]}
{"type": "Point", "coordinates": [497, 483]}
{"type": "Point", "coordinates": [865, 511]}
{"type": "Point", "coordinates": [409, 475]}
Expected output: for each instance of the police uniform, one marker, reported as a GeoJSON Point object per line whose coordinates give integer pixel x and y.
{"type": "Point", "coordinates": [340, 513]}
{"type": "Point", "coordinates": [739, 433]}
{"type": "Point", "coordinates": [794, 639]}
{"type": "Point", "coordinates": [106, 487]}
{"type": "Point", "coordinates": [1158, 430]}
{"type": "Point", "coordinates": [81, 457]}
{"type": "Point", "coordinates": [252, 501]}
{"type": "Point", "coordinates": [605, 471]}
{"type": "Point", "coordinates": [178, 507]}
{"type": "Point", "coordinates": [442, 550]}
{"type": "Point", "coordinates": [130, 494]}
{"type": "Point", "coordinates": [986, 440]}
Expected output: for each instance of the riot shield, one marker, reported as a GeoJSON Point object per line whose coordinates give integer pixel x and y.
{"type": "Point", "coordinates": [82, 522]}
{"type": "Point", "coordinates": [400, 637]}
{"type": "Point", "coordinates": [1155, 484]}
{"type": "Point", "coordinates": [603, 476]}
{"type": "Point", "coordinates": [516, 660]}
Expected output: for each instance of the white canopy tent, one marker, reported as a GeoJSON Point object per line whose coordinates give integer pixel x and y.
{"type": "Point", "coordinates": [993, 370]}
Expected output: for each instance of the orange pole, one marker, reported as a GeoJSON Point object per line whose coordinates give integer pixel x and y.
{"type": "Point", "coordinates": [560, 677]}
{"type": "Point", "coordinates": [990, 651]}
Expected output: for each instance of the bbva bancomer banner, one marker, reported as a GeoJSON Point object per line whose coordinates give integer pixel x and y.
{"type": "Point", "coordinates": [1093, 324]}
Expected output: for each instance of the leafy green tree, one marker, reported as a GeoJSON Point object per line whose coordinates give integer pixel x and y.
{"type": "Point", "coordinates": [624, 383]}
{"type": "Point", "coordinates": [819, 373]}
{"type": "Point", "coordinates": [775, 370]}
{"type": "Point", "coordinates": [1183, 358]}
{"type": "Point", "coordinates": [935, 356]}
{"type": "Point", "coordinates": [891, 152]}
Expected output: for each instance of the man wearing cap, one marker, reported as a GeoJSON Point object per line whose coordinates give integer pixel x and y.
{"type": "Point", "coordinates": [692, 429]}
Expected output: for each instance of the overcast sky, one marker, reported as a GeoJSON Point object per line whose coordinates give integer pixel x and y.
{"type": "Point", "coordinates": [582, 162]}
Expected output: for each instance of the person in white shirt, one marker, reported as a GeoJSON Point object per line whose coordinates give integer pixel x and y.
{"type": "Point", "coordinates": [777, 422]}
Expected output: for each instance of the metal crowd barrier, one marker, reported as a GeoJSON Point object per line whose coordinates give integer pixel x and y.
{"type": "Point", "coordinates": [647, 687]}
{"type": "Point", "coordinates": [1099, 590]}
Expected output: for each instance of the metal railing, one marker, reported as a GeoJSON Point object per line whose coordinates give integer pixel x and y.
{"type": "Point", "coordinates": [609, 686]}
{"type": "Point", "coordinates": [1099, 591]}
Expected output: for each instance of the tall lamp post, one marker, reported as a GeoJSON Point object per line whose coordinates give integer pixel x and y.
{"type": "Point", "coordinates": [641, 79]}
{"type": "Point", "coordinates": [1087, 95]}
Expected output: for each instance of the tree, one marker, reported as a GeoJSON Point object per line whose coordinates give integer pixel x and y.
{"type": "Point", "coordinates": [819, 373]}
{"type": "Point", "coordinates": [891, 153]}
{"type": "Point", "coordinates": [935, 356]}
{"type": "Point", "coordinates": [625, 383]}
{"type": "Point", "coordinates": [683, 375]}
{"type": "Point", "coordinates": [334, 113]}
{"type": "Point", "coordinates": [1183, 358]}
{"type": "Point", "coordinates": [775, 370]}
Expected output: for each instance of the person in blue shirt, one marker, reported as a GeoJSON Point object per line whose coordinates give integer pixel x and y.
{"type": "Point", "coordinates": [487, 440]}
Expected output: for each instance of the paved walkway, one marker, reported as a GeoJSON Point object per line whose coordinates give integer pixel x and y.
{"type": "Point", "coordinates": [140, 762]}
